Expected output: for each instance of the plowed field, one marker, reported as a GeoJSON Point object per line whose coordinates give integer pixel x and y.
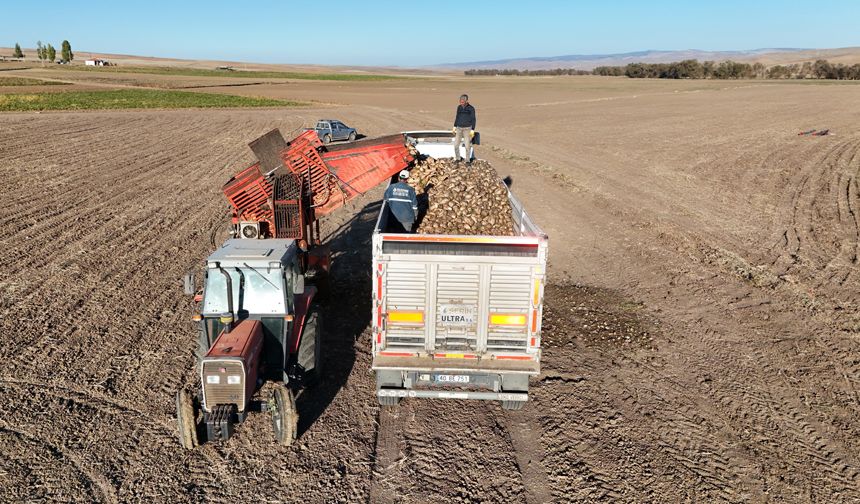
{"type": "Point", "coordinates": [701, 335]}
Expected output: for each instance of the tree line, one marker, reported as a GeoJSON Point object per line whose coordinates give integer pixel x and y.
{"type": "Point", "coordinates": [48, 52]}
{"type": "Point", "coordinates": [694, 69]}
{"type": "Point", "coordinates": [508, 71]}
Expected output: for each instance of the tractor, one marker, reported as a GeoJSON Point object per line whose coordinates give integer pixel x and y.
{"type": "Point", "coordinates": [258, 316]}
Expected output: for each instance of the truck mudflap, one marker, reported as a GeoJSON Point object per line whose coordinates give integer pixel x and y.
{"type": "Point", "coordinates": [453, 394]}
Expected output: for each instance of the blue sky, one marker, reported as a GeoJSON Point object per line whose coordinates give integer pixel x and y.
{"type": "Point", "coordinates": [415, 33]}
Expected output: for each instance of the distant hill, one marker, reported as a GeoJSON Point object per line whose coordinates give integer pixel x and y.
{"type": "Point", "coordinates": [848, 55]}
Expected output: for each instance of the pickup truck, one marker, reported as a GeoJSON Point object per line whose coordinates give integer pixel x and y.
{"type": "Point", "coordinates": [440, 144]}
{"type": "Point", "coordinates": [329, 130]}
{"type": "Point", "coordinates": [457, 316]}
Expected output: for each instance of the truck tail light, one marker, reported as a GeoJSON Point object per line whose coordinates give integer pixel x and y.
{"type": "Point", "coordinates": [507, 319]}
{"type": "Point", "coordinates": [406, 317]}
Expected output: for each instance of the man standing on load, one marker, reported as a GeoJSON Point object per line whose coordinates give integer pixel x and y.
{"type": "Point", "coordinates": [402, 202]}
{"type": "Point", "coordinates": [464, 128]}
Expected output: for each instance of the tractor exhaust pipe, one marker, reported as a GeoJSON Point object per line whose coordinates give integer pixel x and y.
{"type": "Point", "coordinates": [227, 318]}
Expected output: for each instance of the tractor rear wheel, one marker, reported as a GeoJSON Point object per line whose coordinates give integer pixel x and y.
{"type": "Point", "coordinates": [310, 347]}
{"type": "Point", "coordinates": [185, 417]}
{"type": "Point", "coordinates": [285, 418]}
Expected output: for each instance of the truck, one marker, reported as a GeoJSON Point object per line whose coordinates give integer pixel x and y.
{"type": "Point", "coordinates": [330, 130]}
{"type": "Point", "coordinates": [456, 316]}
{"type": "Point", "coordinates": [258, 315]}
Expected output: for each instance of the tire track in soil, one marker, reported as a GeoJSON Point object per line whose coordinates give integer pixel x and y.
{"type": "Point", "coordinates": [822, 238]}
{"type": "Point", "coordinates": [42, 472]}
{"type": "Point", "coordinates": [772, 418]}
{"type": "Point", "coordinates": [102, 489]}
{"type": "Point", "coordinates": [459, 451]}
{"type": "Point", "coordinates": [524, 432]}
{"type": "Point", "coordinates": [388, 452]}
{"type": "Point", "coordinates": [639, 400]}
{"type": "Point", "coordinates": [80, 442]}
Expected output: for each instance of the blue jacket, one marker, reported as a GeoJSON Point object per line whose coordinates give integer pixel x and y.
{"type": "Point", "coordinates": [402, 201]}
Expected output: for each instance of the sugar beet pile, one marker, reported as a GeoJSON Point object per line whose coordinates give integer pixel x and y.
{"type": "Point", "coordinates": [456, 199]}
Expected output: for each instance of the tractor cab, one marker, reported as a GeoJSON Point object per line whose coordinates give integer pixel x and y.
{"type": "Point", "coordinates": [263, 278]}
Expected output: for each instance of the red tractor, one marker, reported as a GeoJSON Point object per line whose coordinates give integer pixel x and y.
{"type": "Point", "coordinates": [257, 314]}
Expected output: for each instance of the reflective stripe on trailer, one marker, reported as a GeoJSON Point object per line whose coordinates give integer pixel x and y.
{"type": "Point", "coordinates": [514, 357]}
{"type": "Point", "coordinates": [454, 356]}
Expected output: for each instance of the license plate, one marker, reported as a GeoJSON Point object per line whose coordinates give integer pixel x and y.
{"type": "Point", "coordinates": [447, 378]}
{"type": "Point", "coordinates": [457, 315]}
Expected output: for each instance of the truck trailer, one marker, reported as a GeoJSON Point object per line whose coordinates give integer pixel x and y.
{"type": "Point", "coordinates": [457, 316]}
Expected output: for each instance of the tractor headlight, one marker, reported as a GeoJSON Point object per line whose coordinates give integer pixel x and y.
{"type": "Point", "coordinates": [234, 380]}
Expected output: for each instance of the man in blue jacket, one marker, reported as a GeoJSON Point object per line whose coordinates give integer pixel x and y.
{"type": "Point", "coordinates": [402, 202]}
{"type": "Point", "coordinates": [464, 128]}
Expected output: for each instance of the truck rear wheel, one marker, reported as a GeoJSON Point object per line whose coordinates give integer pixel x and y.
{"type": "Point", "coordinates": [513, 405]}
{"type": "Point", "coordinates": [185, 418]}
{"type": "Point", "coordinates": [388, 401]}
{"type": "Point", "coordinates": [326, 139]}
{"type": "Point", "coordinates": [285, 418]}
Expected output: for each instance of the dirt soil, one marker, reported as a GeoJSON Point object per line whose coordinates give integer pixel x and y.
{"type": "Point", "coordinates": [700, 337]}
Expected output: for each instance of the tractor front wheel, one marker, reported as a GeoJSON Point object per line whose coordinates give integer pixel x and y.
{"type": "Point", "coordinates": [285, 418]}
{"type": "Point", "coordinates": [185, 417]}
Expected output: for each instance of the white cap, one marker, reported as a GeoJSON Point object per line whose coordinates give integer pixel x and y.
{"type": "Point", "coordinates": [404, 174]}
